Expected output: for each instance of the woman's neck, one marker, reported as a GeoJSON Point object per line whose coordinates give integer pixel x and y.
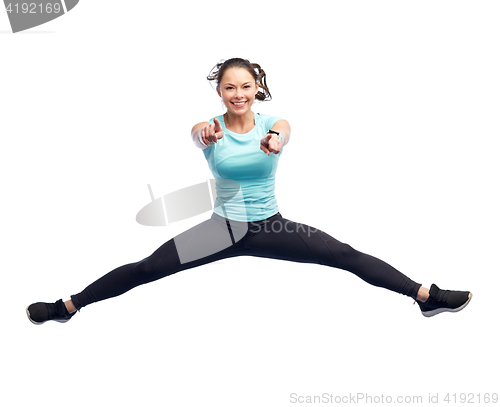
{"type": "Point", "coordinates": [239, 124]}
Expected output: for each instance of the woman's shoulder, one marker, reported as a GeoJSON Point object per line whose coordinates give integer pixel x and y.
{"type": "Point", "coordinates": [266, 120]}
{"type": "Point", "coordinates": [220, 118]}
{"type": "Point", "coordinates": [262, 116]}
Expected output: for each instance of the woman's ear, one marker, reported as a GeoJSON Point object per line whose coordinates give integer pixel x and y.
{"type": "Point", "coordinates": [218, 91]}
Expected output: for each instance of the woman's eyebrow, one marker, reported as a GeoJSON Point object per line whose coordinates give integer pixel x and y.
{"type": "Point", "coordinates": [232, 84]}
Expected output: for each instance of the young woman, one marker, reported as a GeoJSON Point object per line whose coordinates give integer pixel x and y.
{"type": "Point", "coordinates": [242, 149]}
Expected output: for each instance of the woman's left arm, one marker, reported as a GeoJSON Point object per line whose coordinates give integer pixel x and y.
{"type": "Point", "coordinates": [283, 128]}
{"type": "Point", "coordinates": [271, 143]}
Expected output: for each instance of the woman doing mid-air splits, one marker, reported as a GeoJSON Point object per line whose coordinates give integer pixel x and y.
{"type": "Point", "coordinates": [242, 149]}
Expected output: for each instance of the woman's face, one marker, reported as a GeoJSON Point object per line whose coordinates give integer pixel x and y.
{"type": "Point", "coordinates": [237, 88]}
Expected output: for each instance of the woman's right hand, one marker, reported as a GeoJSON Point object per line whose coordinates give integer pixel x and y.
{"type": "Point", "coordinates": [211, 133]}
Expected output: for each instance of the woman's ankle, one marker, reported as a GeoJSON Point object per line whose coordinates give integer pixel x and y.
{"type": "Point", "coordinates": [70, 306]}
{"type": "Point", "coordinates": [422, 294]}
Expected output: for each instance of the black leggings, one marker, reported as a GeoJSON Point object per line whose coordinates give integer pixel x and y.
{"type": "Point", "coordinates": [219, 238]}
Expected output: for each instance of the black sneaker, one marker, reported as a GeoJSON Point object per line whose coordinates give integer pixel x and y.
{"type": "Point", "coordinates": [41, 312]}
{"type": "Point", "coordinates": [444, 301]}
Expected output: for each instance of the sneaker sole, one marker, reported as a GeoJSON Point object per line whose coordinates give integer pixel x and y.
{"type": "Point", "coordinates": [440, 310]}
{"type": "Point", "coordinates": [62, 321]}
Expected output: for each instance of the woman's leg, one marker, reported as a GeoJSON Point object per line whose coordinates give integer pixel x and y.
{"type": "Point", "coordinates": [209, 241]}
{"type": "Point", "coordinates": [287, 240]}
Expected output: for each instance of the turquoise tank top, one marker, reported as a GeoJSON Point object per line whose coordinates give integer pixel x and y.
{"type": "Point", "coordinates": [244, 174]}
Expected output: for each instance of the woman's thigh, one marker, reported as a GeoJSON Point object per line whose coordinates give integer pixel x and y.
{"type": "Point", "coordinates": [284, 239]}
{"type": "Point", "coordinates": [209, 241]}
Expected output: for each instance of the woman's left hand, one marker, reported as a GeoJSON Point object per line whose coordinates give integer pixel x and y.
{"type": "Point", "coordinates": [270, 143]}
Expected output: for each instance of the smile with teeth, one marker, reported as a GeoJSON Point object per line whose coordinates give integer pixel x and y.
{"type": "Point", "coordinates": [238, 103]}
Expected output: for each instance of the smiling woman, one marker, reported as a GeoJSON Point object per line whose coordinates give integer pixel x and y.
{"type": "Point", "coordinates": [258, 74]}
{"type": "Point", "coordinates": [242, 149]}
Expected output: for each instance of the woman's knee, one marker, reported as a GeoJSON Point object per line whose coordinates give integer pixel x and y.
{"type": "Point", "coordinates": [342, 253]}
{"type": "Point", "coordinates": [160, 264]}
{"type": "Point", "coordinates": [346, 253]}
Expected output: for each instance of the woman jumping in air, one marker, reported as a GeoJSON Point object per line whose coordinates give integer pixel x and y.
{"type": "Point", "coordinates": [242, 149]}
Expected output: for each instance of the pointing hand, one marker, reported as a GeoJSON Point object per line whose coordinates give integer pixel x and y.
{"type": "Point", "coordinates": [211, 133]}
{"type": "Point", "coordinates": [270, 143]}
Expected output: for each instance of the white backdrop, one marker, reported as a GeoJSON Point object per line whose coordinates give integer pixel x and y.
{"type": "Point", "coordinates": [394, 113]}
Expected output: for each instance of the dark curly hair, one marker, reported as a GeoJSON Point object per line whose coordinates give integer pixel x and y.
{"type": "Point", "coordinates": [255, 70]}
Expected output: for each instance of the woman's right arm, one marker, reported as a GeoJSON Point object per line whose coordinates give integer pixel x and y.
{"type": "Point", "coordinates": [196, 134]}
{"type": "Point", "coordinates": [205, 134]}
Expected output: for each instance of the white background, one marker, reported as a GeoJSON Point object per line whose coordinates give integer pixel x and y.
{"type": "Point", "coordinates": [394, 112]}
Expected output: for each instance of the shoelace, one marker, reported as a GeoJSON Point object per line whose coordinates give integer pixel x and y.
{"type": "Point", "coordinates": [442, 296]}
